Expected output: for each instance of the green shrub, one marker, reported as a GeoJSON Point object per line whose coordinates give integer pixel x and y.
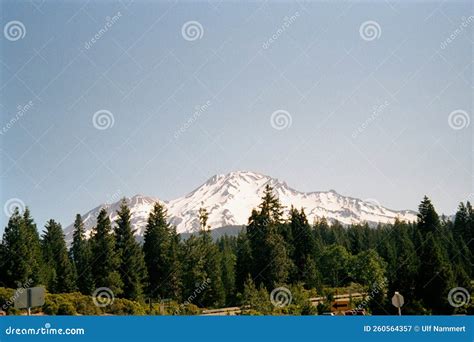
{"type": "Point", "coordinates": [66, 308]}
{"type": "Point", "coordinates": [6, 300]}
{"type": "Point", "coordinates": [121, 306]}
{"type": "Point", "coordinates": [50, 307]}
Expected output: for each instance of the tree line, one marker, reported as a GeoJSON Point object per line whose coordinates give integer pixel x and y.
{"type": "Point", "coordinates": [423, 260]}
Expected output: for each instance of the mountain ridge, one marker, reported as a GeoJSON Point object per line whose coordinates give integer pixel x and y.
{"type": "Point", "coordinates": [230, 198]}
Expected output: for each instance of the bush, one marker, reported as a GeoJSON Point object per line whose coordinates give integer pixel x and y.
{"type": "Point", "coordinates": [6, 300]}
{"type": "Point", "coordinates": [122, 306]}
{"type": "Point", "coordinates": [85, 306]}
{"type": "Point", "coordinates": [50, 308]}
{"type": "Point", "coordinates": [78, 304]}
{"type": "Point", "coordinates": [66, 308]}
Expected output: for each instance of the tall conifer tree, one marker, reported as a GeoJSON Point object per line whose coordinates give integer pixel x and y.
{"type": "Point", "coordinates": [162, 256]}
{"type": "Point", "coordinates": [105, 260]}
{"type": "Point", "coordinates": [132, 264]}
{"type": "Point", "coordinates": [81, 256]}
{"type": "Point", "coordinates": [60, 275]}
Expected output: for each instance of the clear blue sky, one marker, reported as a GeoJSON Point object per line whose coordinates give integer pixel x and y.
{"type": "Point", "coordinates": [319, 69]}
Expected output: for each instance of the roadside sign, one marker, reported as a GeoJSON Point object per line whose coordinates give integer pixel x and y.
{"type": "Point", "coordinates": [29, 298]}
{"type": "Point", "coordinates": [21, 301]}
{"type": "Point", "coordinates": [398, 301]}
{"type": "Point", "coordinates": [36, 296]}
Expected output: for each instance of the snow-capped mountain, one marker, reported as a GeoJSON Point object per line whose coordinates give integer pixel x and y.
{"type": "Point", "coordinates": [230, 198]}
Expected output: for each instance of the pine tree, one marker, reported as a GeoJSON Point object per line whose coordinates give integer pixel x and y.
{"type": "Point", "coordinates": [16, 267]}
{"type": "Point", "coordinates": [243, 267]}
{"type": "Point", "coordinates": [228, 272]}
{"type": "Point", "coordinates": [214, 296]}
{"type": "Point", "coordinates": [132, 264]}
{"type": "Point", "coordinates": [203, 265]}
{"type": "Point", "coordinates": [270, 255]}
{"type": "Point", "coordinates": [304, 247]}
{"type": "Point", "coordinates": [461, 220]}
{"type": "Point", "coordinates": [33, 255]}
{"type": "Point", "coordinates": [405, 263]}
{"type": "Point", "coordinates": [428, 219]}
{"type": "Point", "coordinates": [464, 225]}
{"type": "Point", "coordinates": [436, 276]}
{"type": "Point", "coordinates": [60, 277]}
{"type": "Point", "coordinates": [162, 256]}
{"type": "Point", "coordinates": [279, 264]}
{"type": "Point", "coordinates": [21, 249]}
{"type": "Point", "coordinates": [81, 256]}
{"type": "Point", "coordinates": [257, 300]}
{"type": "Point", "coordinates": [310, 274]}
{"type": "Point", "coordinates": [105, 261]}
{"type": "Point", "coordinates": [193, 268]}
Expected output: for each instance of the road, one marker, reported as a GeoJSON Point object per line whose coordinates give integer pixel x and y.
{"type": "Point", "coordinates": [232, 311]}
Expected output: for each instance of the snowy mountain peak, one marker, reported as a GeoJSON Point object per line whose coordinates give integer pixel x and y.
{"type": "Point", "coordinates": [229, 199]}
